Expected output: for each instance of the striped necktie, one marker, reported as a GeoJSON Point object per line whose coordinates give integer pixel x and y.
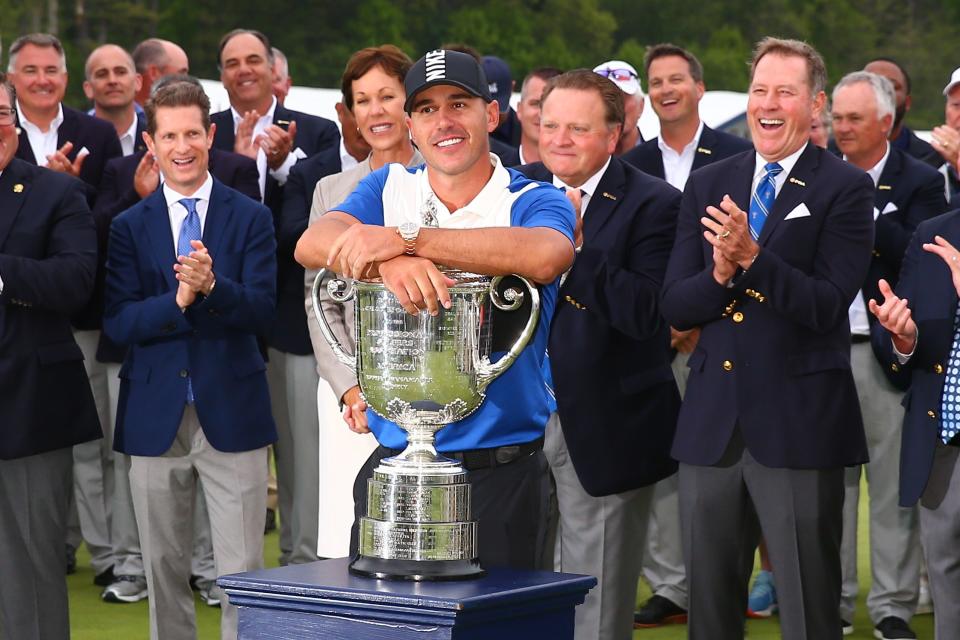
{"type": "Point", "coordinates": [762, 200]}
{"type": "Point", "coordinates": [189, 230]}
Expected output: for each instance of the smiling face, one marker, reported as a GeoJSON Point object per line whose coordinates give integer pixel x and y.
{"type": "Point", "coordinates": [859, 131]}
{"type": "Point", "coordinates": [246, 73]}
{"type": "Point", "coordinates": [378, 99]}
{"type": "Point", "coordinates": [451, 129]}
{"type": "Point", "coordinates": [575, 140]}
{"type": "Point", "coordinates": [781, 107]}
{"type": "Point", "coordinates": [181, 147]}
{"type": "Point", "coordinates": [111, 81]}
{"type": "Point", "coordinates": [40, 80]}
{"type": "Point", "coordinates": [672, 90]}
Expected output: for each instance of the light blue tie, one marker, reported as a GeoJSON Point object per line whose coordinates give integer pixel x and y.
{"type": "Point", "coordinates": [762, 200]}
{"type": "Point", "coordinates": [190, 230]}
{"type": "Point", "coordinates": [950, 398]}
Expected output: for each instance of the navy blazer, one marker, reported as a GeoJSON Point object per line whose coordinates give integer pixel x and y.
{"type": "Point", "coordinates": [117, 194]}
{"type": "Point", "coordinates": [289, 332]}
{"type": "Point", "coordinates": [774, 350]}
{"type": "Point", "coordinates": [298, 197]}
{"type": "Point", "coordinates": [213, 341]}
{"type": "Point", "coordinates": [713, 146]}
{"type": "Point", "coordinates": [926, 283]}
{"type": "Point", "coordinates": [48, 255]}
{"type": "Point", "coordinates": [98, 136]}
{"type": "Point", "coordinates": [908, 192]}
{"type": "Point", "coordinates": [609, 346]}
{"type": "Point", "coordinates": [509, 156]}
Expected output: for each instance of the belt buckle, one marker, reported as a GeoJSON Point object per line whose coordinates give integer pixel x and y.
{"type": "Point", "coordinates": [507, 454]}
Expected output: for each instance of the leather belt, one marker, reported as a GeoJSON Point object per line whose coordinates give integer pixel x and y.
{"type": "Point", "coordinates": [858, 338]}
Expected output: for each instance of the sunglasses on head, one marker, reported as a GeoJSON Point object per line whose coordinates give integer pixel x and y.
{"type": "Point", "coordinates": [621, 75]}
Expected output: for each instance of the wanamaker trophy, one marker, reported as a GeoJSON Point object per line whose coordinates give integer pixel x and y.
{"type": "Point", "coordinates": [423, 372]}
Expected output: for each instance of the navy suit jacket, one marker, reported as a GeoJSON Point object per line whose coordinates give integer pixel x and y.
{"type": "Point", "coordinates": [713, 146]}
{"type": "Point", "coordinates": [609, 346]}
{"type": "Point", "coordinates": [774, 353]}
{"type": "Point", "coordinates": [117, 194]}
{"type": "Point", "coordinates": [213, 341]}
{"type": "Point", "coordinates": [298, 197]}
{"type": "Point", "coordinates": [925, 281]}
{"type": "Point", "coordinates": [48, 255]}
{"type": "Point", "coordinates": [98, 136]}
{"type": "Point", "coordinates": [289, 332]}
{"type": "Point", "coordinates": [910, 192]}
{"type": "Point", "coordinates": [509, 156]}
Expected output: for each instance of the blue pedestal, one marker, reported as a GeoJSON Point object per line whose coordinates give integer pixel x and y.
{"type": "Point", "coordinates": [322, 600]}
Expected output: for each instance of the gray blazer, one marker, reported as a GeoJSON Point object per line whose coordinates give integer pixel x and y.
{"type": "Point", "coordinates": [330, 192]}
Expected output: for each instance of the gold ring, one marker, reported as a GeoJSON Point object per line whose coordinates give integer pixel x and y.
{"type": "Point", "coordinates": [724, 233]}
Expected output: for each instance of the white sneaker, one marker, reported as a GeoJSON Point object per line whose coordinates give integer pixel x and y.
{"type": "Point", "coordinates": [924, 602]}
{"type": "Point", "coordinates": [125, 589]}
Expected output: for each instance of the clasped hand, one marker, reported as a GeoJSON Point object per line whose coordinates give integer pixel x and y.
{"type": "Point", "coordinates": [728, 231]}
{"type": "Point", "coordinates": [194, 273]}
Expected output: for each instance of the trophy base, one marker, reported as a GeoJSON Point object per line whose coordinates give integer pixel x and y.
{"type": "Point", "coordinates": [416, 570]}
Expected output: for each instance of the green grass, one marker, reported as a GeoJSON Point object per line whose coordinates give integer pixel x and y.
{"type": "Point", "coordinates": [93, 619]}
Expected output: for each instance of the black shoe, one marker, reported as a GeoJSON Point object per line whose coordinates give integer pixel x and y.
{"type": "Point", "coordinates": [105, 578]}
{"type": "Point", "coordinates": [71, 555]}
{"type": "Point", "coordinates": [271, 523]}
{"type": "Point", "coordinates": [658, 611]}
{"type": "Point", "coordinates": [893, 628]}
{"type": "Point", "coordinates": [846, 627]}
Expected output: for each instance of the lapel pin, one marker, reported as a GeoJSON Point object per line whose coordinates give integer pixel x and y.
{"type": "Point", "coordinates": [704, 150]}
{"type": "Point", "coordinates": [798, 182]}
{"type": "Point", "coordinates": [884, 187]}
{"type": "Point", "coordinates": [609, 195]}
{"type": "Point", "coordinates": [18, 188]}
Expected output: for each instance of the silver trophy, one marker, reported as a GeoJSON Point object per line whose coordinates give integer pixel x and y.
{"type": "Point", "coordinates": [423, 372]}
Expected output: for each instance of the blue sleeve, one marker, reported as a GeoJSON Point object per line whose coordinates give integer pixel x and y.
{"type": "Point", "coordinates": [544, 206]}
{"type": "Point", "coordinates": [366, 202]}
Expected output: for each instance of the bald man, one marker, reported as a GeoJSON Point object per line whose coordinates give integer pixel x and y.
{"type": "Point", "coordinates": [112, 83]}
{"type": "Point", "coordinates": [155, 58]}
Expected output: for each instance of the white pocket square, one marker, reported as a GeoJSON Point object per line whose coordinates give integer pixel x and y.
{"type": "Point", "coordinates": [800, 211]}
{"type": "Point", "coordinates": [890, 208]}
{"type": "Point", "coordinates": [83, 152]}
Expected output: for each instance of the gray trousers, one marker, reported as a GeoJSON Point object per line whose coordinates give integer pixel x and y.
{"type": "Point", "coordinates": [940, 532]}
{"type": "Point", "coordinates": [894, 534]}
{"type": "Point", "coordinates": [598, 537]}
{"type": "Point", "coordinates": [93, 462]}
{"type": "Point", "coordinates": [724, 508]}
{"type": "Point", "coordinates": [164, 491]}
{"type": "Point", "coordinates": [293, 384]}
{"type": "Point", "coordinates": [663, 553]}
{"type": "Point", "coordinates": [33, 588]}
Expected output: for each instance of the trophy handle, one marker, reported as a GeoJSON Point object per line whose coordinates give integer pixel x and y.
{"type": "Point", "coordinates": [510, 301]}
{"type": "Point", "coordinates": [337, 289]}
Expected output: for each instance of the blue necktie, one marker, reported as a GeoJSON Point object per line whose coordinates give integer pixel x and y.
{"type": "Point", "coordinates": [950, 398]}
{"type": "Point", "coordinates": [189, 230]}
{"type": "Point", "coordinates": [762, 200]}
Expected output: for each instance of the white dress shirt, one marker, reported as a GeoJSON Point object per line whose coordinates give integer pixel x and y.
{"type": "Point", "coordinates": [677, 166]}
{"type": "Point", "coordinates": [178, 212]}
{"type": "Point", "coordinates": [43, 143]}
{"type": "Point", "coordinates": [128, 140]}
{"type": "Point", "coordinates": [280, 174]}
{"type": "Point", "coordinates": [347, 161]}
{"type": "Point", "coordinates": [587, 189]}
{"type": "Point", "coordinates": [859, 321]}
{"type": "Point", "coordinates": [781, 179]}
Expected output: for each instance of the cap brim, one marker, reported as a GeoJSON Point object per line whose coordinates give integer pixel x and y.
{"type": "Point", "coordinates": [408, 104]}
{"type": "Point", "coordinates": [947, 89]}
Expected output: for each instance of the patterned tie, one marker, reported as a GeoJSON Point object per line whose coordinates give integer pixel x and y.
{"type": "Point", "coordinates": [189, 230]}
{"type": "Point", "coordinates": [950, 400]}
{"type": "Point", "coordinates": [762, 200]}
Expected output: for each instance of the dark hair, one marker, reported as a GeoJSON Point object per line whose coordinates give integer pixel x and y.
{"type": "Point", "coordinates": [394, 62]}
{"type": "Point", "coordinates": [586, 80]}
{"type": "Point", "coordinates": [167, 80]}
{"type": "Point", "coordinates": [177, 94]}
{"type": "Point", "coordinates": [544, 73]}
{"type": "Point", "coordinates": [239, 32]}
{"type": "Point", "coordinates": [896, 63]}
{"type": "Point", "coordinates": [666, 49]}
{"type": "Point", "coordinates": [463, 47]}
{"type": "Point", "coordinates": [42, 40]}
{"type": "Point", "coordinates": [816, 69]}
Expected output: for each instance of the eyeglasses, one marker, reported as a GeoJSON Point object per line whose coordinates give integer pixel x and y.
{"type": "Point", "coordinates": [619, 75]}
{"type": "Point", "coordinates": [8, 115]}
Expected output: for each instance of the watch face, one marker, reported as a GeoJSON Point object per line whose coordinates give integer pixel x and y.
{"type": "Point", "coordinates": [408, 228]}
